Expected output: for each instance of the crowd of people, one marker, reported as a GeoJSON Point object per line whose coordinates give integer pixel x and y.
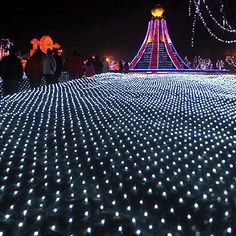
{"type": "Point", "coordinates": [49, 67]}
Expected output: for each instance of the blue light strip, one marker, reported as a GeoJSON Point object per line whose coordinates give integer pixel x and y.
{"type": "Point", "coordinates": [180, 70]}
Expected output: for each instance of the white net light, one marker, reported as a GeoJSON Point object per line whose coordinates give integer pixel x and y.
{"type": "Point", "coordinates": [119, 154]}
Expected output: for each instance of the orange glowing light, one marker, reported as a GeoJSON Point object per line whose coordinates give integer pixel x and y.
{"type": "Point", "coordinates": [44, 43]}
{"type": "Point", "coordinates": [23, 61]}
{"type": "Point", "coordinates": [150, 39]}
{"type": "Point", "coordinates": [158, 11]}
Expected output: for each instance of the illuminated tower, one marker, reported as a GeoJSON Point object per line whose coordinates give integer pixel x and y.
{"type": "Point", "coordinates": [157, 52]}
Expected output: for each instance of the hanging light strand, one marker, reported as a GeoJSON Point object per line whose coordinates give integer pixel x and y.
{"type": "Point", "coordinates": [230, 29]}
{"type": "Point", "coordinates": [190, 8]}
{"type": "Point", "coordinates": [198, 12]}
{"type": "Point", "coordinates": [193, 30]}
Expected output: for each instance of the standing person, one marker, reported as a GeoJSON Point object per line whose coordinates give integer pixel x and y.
{"type": "Point", "coordinates": [12, 72]}
{"type": "Point", "coordinates": [126, 67]}
{"type": "Point", "coordinates": [105, 67]}
{"type": "Point", "coordinates": [34, 69]}
{"type": "Point", "coordinates": [49, 67]}
{"type": "Point", "coordinates": [121, 67]}
{"type": "Point", "coordinates": [98, 65]}
{"type": "Point", "coordinates": [0, 68]}
{"type": "Point", "coordinates": [59, 64]}
{"type": "Point", "coordinates": [89, 68]}
{"type": "Point", "coordinates": [74, 66]}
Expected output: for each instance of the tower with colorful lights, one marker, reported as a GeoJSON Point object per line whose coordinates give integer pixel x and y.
{"type": "Point", "coordinates": [157, 52]}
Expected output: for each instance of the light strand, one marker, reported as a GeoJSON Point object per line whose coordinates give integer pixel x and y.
{"type": "Point", "coordinates": [197, 5]}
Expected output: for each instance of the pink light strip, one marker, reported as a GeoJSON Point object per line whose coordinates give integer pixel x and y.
{"type": "Point", "coordinates": [154, 55]}
{"type": "Point", "coordinates": [143, 47]}
{"type": "Point", "coordinates": [158, 42]}
{"type": "Point", "coordinates": [153, 40]}
{"type": "Point", "coordinates": [176, 53]}
{"type": "Point", "coordinates": [170, 52]}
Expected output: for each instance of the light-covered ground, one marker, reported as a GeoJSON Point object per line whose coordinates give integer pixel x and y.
{"type": "Point", "coordinates": [120, 154]}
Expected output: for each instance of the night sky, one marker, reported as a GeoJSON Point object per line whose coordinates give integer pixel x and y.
{"type": "Point", "coordinates": [116, 28]}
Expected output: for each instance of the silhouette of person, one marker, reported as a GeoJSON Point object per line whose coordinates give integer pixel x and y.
{"type": "Point", "coordinates": [0, 68]}
{"type": "Point", "coordinates": [49, 67]}
{"type": "Point", "coordinates": [59, 64]}
{"type": "Point", "coordinates": [126, 67]}
{"type": "Point", "coordinates": [105, 67]}
{"type": "Point", "coordinates": [74, 66]}
{"type": "Point", "coordinates": [121, 67]}
{"type": "Point", "coordinates": [98, 65]}
{"type": "Point", "coordinates": [12, 72]}
{"type": "Point", "coordinates": [89, 68]}
{"type": "Point", "coordinates": [34, 69]}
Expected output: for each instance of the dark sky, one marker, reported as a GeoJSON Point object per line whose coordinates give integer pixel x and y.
{"type": "Point", "coordinates": [99, 27]}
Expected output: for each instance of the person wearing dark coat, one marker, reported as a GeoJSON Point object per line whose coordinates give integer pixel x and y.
{"type": "Point", "coordinates": [34, 69]}
{"type": "Point", "coordinates": [98, 65]}
{"type": "Point", "coordinates": [59, 64]}
{"type": "Point", "coordinates": [126, 67]}
{"type": "Point", "coordinates": [12, 72]}
{"type": "Point", "coordinates": [89, 68]}
{"type": "Point", "coordinates": [49, 67]}
{"type": "Point", "coordinates": [0, 68]}
{"type": "Point", "coordinates": [74, 66]}
{"type": "Point", "coordinates": [121, 67]}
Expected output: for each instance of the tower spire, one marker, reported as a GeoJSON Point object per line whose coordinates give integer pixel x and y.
{"type": "Point", "coordinates": [157, 52]}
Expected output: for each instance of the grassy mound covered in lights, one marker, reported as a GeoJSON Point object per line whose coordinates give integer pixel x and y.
{"type": "Point", "coordinates": [120, 155]}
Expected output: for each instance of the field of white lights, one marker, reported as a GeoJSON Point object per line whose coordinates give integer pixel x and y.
{"type": "Point", "coordinates": [115, 154]}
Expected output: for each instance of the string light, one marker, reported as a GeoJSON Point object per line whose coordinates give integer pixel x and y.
{"type": "Point", "coordinates": [198, 14]}
{"type": "Point", "coordinates": [120, 154]}
{"type": "Point", "coordinates": [190, 8]}
{"type": "Point", "coordinates": [216, 21]}
{"type": "Point", "coordinates": [193, 29]}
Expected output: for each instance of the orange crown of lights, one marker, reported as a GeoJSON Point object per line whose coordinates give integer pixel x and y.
{"type": "Point", "coordinates": [158, 11]}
